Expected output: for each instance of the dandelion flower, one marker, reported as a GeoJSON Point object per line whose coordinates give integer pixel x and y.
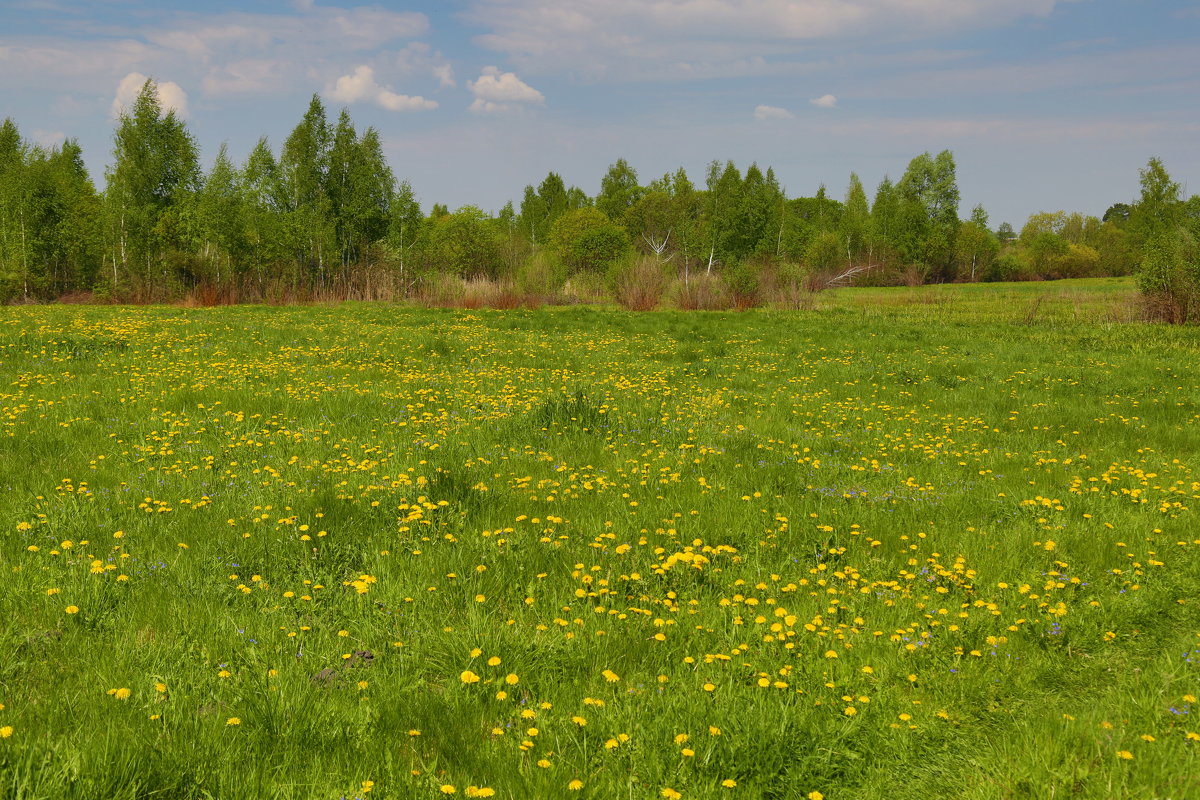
{"type": "Point", "coordinates": [7, 731]}
{"type": "Point", "coordinates": [448, 788]}
{"type": "Point", "coordinates": [1125, 754]}
{"type": "Point", "coordinates": [574, 785]}
{"type": "Point", "coordinates": [670, 793]}
{"type": "Point", "coordinates": [121, 694]}
{"type": "Point", "coordinates": [72, 609]}
{"type": "Point", "coordinates": [729, 783]}
{"type": "Point", "coordinates": [468, 677]}
{"type": "Point", "coordinates": [233, 721]}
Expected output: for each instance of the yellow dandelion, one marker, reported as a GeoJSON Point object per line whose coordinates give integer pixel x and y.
{"type": "Point", "coordinates": [121, 694]}
{"type": "Point", "coordinates": [6, 731]}
{"type": "Point", "coordinates": [233, 721]}
{"type": "Point", "coordinates": [575, 785]}
{"type": "Point", "coordinates": [1125, 754]}
{"type": "Point", "coordinates": [448, 788]}
{"type": "Point", "coordinates": [729, 783]}
{"type": "Point", "coordinates": [468, 677]}
{"type": "Point", "coordinates": [72, 609]}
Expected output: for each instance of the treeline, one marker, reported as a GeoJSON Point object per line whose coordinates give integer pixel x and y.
{"type": "Point", "coordinates": [325, 217]}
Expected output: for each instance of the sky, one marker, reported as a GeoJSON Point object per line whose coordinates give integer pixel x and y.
{"type": "Point", "coordinates": [1046, 104]}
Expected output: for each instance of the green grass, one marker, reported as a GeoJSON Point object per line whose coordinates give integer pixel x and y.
{"type": "Point", "coordinates": [949, 528]}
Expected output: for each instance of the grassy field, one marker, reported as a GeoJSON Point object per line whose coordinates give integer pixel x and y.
{"type": "Point", "coordinates": [910, 543]}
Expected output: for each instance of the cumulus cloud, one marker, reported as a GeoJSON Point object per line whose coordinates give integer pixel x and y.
{"type": "Point", "coordinates": [497, 91]}
{"type": "Point", "coordinates": [445, 75]}
{"type": "Point", "coordinates": [363, 86]}
{"type": "Point", "coordinates": [763, 113]}
{"type": "Point", "coordinates": [171, 95]}
{"type": "Point", "coordinates": [824, 101]}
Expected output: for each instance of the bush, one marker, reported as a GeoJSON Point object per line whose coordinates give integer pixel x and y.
{"type": "Point", "coordinates": [640, 285]}
{"type": "Point", "coordinates": [703, 292]}
{"type": "Point", "coordinates": [588, 241]}
{"type": "Point", "coordinates": [1169, 277]}
{"type": "Point", "coordinates": [743, 282]}
{"type": "Point", "coordinates": [540, 278]}
{"type": "Point", "coordinates": [791, 286]}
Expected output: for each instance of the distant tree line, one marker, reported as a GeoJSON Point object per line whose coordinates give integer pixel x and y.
{"type": "Point", "coordinates": [326, 217]}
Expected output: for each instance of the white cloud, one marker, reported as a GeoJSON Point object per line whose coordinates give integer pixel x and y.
{"type": "Point", "coordinates": [49, 138]}
{"type": "Point", "coordinates": [245, 76]}
{"type": "Point", "coordinates": [497, 91]}
{"type": "Point", "coordinates": [363, 86]}
{"type": "Point", "coordinates": [763, 113]}
{"type": "Point", "coordinates": [691, 39]}
{"type": "Point", "coordinates": [445, 75]}
{"type": "Point", "coordinates": [222, 53]}
{"type": "Point", "coordinates": [171, 95]}
{"type": "Point", "coordinates": [824, 101]}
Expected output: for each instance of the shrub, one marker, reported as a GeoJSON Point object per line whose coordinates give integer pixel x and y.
{"type": "Point", "coordinates": [588, 241]}
{"type": "Point", "coordinates": [640, 285]}
{"type": "Point", "coordinates": [703, 292]}
{"type": "Point", "coordinates": [743, 282]}
{"type": "Point", "coordinates": [1169, 277]}
{"type": "Point", "coordinates": [540, 277]}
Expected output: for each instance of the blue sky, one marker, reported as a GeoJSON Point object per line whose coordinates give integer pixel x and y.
{"type": "Point", "coordinates": [1047, 104]}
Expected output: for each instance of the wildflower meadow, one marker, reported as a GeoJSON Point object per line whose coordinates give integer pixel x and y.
{"type": "Point", "coordinates": [909, 543]}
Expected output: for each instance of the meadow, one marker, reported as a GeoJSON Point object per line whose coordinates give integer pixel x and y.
{"type": "Point", "coordinates": [907, 543]}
